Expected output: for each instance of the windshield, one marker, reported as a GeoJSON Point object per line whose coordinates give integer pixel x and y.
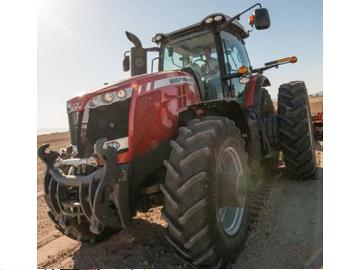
{"type": "Point", "coordinates": [198, 52]}
{"type": "Point", "coordinates": [194, 50]}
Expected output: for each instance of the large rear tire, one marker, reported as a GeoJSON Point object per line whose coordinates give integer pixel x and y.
{"type": "Point", "coordinates": [201, 231]}
{"type": "Point", "coordinates": [296, 131]}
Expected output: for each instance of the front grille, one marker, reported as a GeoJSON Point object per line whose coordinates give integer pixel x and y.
{"type": "Point", "coordinates": [108, 121]}
{"type": "Point", "coordinates": [75, 119]}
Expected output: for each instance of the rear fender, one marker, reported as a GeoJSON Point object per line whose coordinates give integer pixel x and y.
{"type": "Point", "coordinates": [253, 90]}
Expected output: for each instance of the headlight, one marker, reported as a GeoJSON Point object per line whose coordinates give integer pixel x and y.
{"type": "Point", "coordinates": [108, 97]}
{"type": "Point", "coordinates": [218, 18]}
{"type": "Point", "coordinates": [121, 94]}
{"type": "Point", "coordinates": [209, 20]}
{"type": "Point", "coordinates": [94, 102]}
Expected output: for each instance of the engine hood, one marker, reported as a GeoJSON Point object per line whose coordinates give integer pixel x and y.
{"type": "Point", "coordinates": [79, 102]}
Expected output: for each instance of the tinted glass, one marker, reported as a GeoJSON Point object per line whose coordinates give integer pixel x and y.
{"type": "Point", "coordinates": [235, 56]}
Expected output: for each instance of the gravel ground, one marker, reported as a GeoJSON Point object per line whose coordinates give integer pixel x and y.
{"type": "Point", "coordinates": [287, 233]}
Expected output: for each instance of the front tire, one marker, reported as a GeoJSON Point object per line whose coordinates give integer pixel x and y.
{"type": "Point", "coordinates": [200, 230]}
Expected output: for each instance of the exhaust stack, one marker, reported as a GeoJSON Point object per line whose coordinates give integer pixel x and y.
{"type": "Point", "coordinates": [138, 56]}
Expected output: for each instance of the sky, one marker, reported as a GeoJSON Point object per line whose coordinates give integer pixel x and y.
{"type": "Point", "coordinates": [81, 42]}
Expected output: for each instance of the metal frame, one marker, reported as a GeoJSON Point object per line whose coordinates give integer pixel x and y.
{"type": "Point", "coordinates": [94, 195]}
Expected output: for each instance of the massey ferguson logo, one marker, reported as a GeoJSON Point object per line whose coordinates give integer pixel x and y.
{"type": "Point", "coordinates": [76, 106]}
{"type": "Point", "coordinates": [180, 80]}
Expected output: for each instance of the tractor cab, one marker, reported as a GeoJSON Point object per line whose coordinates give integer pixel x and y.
{"type": "Point", "coordinates": [212, 51]}
{"type": "Point", "coordinates": [210, 56]}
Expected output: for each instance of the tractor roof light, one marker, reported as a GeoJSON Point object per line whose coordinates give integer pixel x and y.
{"type": "Point", "coordinates": [209, 20]}
{"type": "Point", "coordinates": [157, 38]}
{"type": "Point", "coordinates": [218, 18]}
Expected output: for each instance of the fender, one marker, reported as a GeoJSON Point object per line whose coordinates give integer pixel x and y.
{"type": "Point", "coordinates": [227, 107]}
{"type": "Point", "coordinates": [252, 92]}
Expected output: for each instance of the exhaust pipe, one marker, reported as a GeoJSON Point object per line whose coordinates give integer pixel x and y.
{"type": "Point", "coordinates": [138, 55]}
{"type": "Point", "coordinates": [134, 39]}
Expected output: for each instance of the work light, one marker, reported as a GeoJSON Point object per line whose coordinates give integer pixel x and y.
{"type": "Point", "coordinates": [209, 20]}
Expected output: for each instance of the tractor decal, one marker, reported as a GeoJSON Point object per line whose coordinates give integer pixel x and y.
{"type": "Point", "coordinates": [173, 80]}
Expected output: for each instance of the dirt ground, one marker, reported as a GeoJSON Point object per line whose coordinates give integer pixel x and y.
{"type": "Point", "coordinates": [287, 233]}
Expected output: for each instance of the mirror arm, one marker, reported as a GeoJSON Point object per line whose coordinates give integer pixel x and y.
{"type": "Point", "coordinates": [262, 69]}
{"type": "Point", "coordinates": [236, 17]}
{"type": "Point", "coordinates": [269, 65]}
{"type": "Point", "coordinates": [234, 75]}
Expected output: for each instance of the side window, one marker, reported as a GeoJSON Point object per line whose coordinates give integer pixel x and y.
{"type": "Point", "coordinates": [235, 56]}
{"type": "Point", "coordinates": [173, 61]}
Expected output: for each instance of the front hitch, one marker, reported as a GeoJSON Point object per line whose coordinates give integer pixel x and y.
{"type": "Point", "coordinates": [101, 196]}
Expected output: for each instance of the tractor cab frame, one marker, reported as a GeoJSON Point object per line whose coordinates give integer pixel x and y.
{"type": "Point", "coordinates": [212, 55]}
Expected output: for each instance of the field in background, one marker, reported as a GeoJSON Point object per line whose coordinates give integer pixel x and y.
{"type": "Point", "coordinates": [316, 104]}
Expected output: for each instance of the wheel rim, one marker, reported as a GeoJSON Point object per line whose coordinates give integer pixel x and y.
{"type": "Point", "coordinates": [230, 218]}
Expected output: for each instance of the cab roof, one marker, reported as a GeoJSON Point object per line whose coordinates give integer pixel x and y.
{"type": "Point", "coordinates": [235, 26]}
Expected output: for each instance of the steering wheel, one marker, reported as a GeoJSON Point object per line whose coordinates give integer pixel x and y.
{"type": "Point", "coordinates": [205, 68]}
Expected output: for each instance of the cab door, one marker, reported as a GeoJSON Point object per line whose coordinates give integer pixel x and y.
{"type": "Point", "coordinates": [235, 56]}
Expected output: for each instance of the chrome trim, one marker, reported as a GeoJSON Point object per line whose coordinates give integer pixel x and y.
{"type": "Point", "coordinates": [123, 142]}
{"type": "Point", "coordinates": [75, 162]}
{"type": "Point", "coordinates": [75, 151]}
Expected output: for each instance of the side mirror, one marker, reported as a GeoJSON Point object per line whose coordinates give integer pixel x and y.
{"type": "Point", "coordinates": [261, 18]}
{"type": "Point", "coordinates": [126, 63]}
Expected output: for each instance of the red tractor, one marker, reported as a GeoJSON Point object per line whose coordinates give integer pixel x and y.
{"type": "Point", "coordinates": [193, 137]}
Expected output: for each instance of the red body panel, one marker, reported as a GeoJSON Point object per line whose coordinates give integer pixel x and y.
{"type": "Point", "coordinates": [156, 101]}
{"type": "Point", "coordinates": [250, 92]}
